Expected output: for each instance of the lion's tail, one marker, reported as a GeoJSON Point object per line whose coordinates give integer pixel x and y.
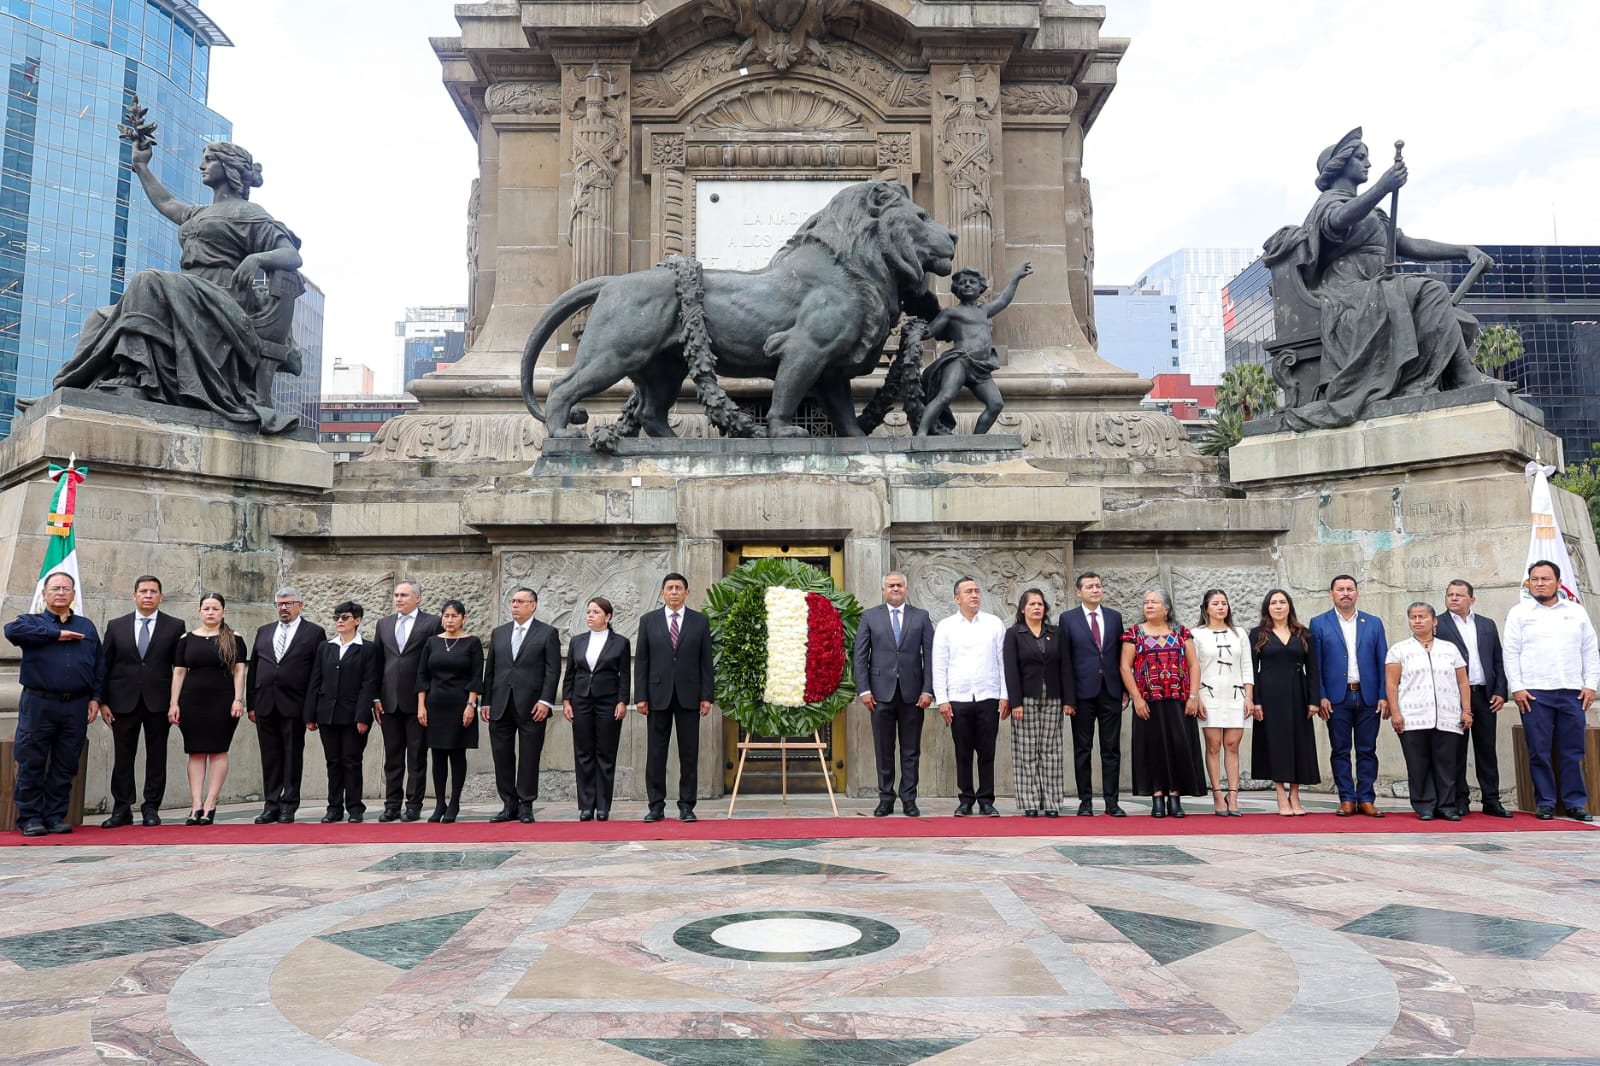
{"type": "Point", "coordinates": [567, 304]}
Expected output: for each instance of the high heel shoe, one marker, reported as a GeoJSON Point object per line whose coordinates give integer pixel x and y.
{"type": "Point", "coordinates": [1158, 807]}
{"type": "Point", "coordinates": [1233, 804]}
{"type": "Point", "coordinates": [1175, 806]}
{"type": "Point", "coordinates": [207, 817]}
{"type": "Point", "coordinates": [450, 811]}
{"type": "Point", "coordinates": [193, 819]}
{"type": "Point", "coordinates": [1222, 810]}
{"type": "Point", "coordinates": [438, 814]}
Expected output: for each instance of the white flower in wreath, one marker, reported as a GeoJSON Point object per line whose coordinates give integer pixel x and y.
{"type": "Point", "coordinates": [787, 630]}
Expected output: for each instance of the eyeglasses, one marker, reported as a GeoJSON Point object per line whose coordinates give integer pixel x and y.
{"type": "Point", "coordinates": [345, 617]}
{"type": "Point", "coordinates": [287, 603]}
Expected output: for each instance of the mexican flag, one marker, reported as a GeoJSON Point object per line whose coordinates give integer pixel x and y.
{"type": "Point", "coordinates": [61, 554]}
{"type": "Point", "coordinates": [1545, 541]}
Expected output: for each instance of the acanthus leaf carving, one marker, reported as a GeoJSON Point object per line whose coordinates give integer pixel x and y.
{"type": "Point", "coordinates": [523, 98]}
{"type": "Point", "coordinates": [782, 32]}
{"type": "Point", "coordinates": [1032, 99]}
{"type": "Point", "coordinates": [684, 77]}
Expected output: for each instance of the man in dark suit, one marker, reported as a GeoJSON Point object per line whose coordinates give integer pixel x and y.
{"type": "Point", "coordinates": [340, 699]}
{"type": "Point", "coordinates": [521, 670]}
{"type": "Point", "coordinates": [1351, 648]}
{"type": "Point", "coordinates": [672, 676]}
{"type": "Point", "coordinates": [280, 668]}
{"type": "Point", "coordinates": [138, 688]}
{"type": "Point", "coordinates": [1478, 640]}
{"type": "Point", "coordinates": [400, 638]}
{"type": "Point", "coordinates": [1092, 690]}
{"type": "Point", "coordinates": [894, 642]}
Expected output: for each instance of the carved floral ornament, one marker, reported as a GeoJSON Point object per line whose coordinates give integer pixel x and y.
{"type": "Point", "coordinates": [690, 74]}
{"type": "Point", "coordinates": [770, 108]}
{"type": "Point", "coordinates": [523, 98]}
{"type": "Point", "coordinates": [1034, 99]}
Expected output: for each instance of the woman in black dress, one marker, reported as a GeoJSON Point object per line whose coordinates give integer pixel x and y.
{"type": "Point", "coordinates": [207, 702]}
{"type": "Point", "coordinates": [449, 680]}
{"type": "Point", "coordinates": [594, 698]}
{"type": "Point", "coordinates": [1283, 747]}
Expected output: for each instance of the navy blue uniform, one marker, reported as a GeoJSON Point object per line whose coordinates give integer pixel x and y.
{"type": "Point", "coordinates": [59, 677]}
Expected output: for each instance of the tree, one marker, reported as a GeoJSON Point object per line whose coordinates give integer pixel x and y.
{"type": "Point", "coordinates": [1245, 392]}
{"type": "Point", "coordinates": [1583, 479]}
{"type": "Point", "coordinates": [1498, 347]}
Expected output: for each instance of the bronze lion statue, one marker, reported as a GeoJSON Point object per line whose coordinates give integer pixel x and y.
{"type": "Point", "coordinates": [812, 319]}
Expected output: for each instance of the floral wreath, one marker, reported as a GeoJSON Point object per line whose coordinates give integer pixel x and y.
{"type": "Point", "coordinates": [780, 629]}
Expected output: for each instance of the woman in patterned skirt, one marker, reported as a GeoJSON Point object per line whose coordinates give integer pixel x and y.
{"type": "Point", "coordinates": [1158, 659]}
{"type": "Point", "coordinates": [1034, 663]}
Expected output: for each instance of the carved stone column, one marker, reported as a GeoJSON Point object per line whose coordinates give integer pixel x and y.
{"type": "Point", "coordinates": [966, 131]}
{"type": "Point", "coordinates": [598, 122]}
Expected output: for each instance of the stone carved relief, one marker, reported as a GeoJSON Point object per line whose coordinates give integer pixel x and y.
{"type": "Point", "coordinates": [967, 153]}
{"type": "Point", "coordinates": [778, 109]}
{"type": "Point", "coordinates": [372, 588]}
{"type": "Point", "coordinates": [1030, 99]}
{"type": "Point", "coordinates": [894, 149]}
{"type": "Point", "coordinates": [523, 98]}
{"type": "Point", "coordinates": [460, 438]}
{"type": "Point", "coordinates": [781, 32]}
{"type": "Point", "coordinates": [1246, 587]}
{"type": "Point", "coordinates": [1002, 573]}
{"type": "Point", "coordinates": [895, 87]}
{"type": "Point", "coordinates": [684, 77]}
{"type": "Point", "coordinates": [1125, 587]}
{"type": "Point", "coordinates": [666, 150]}
{"type": "Point", "coordinates": [1083, 434]}
{"type": "Point", "coordinates": [598, 150]}
{"type": "Point", "coordinates": [565, 580]}
{"type": "Point", "coordinates": [474, 206]}
{"type": "Point", "coordinates": [1086, 212]}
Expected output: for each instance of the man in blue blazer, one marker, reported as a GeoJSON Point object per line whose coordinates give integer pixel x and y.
{"type": "Point", "coordinates": [1351, 648]}
{"type": "Point", "coordinates": [894, 646]}
{"type": "Point", "coordinates": [1092, 691]}
{"type": "Point", "coordinates": [1479, 643]}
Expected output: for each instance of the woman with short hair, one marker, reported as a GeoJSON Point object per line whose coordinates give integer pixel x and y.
{"type": "Point", "coordinates": [449, 682]}
{"type": "Point", "coordinates": [1158, 660]}
{"type": "Point", "coordinates": [1430, 706]}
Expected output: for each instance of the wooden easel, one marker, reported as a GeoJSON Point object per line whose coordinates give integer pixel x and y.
{"type": "Point", "coordinates": [783, 746]}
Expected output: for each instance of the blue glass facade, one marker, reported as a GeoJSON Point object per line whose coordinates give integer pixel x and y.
{"type": "Point", "coordinates": [1549, 293]}
{"type": "Point", "coordinates": [73, 221]}
{"type": "Point", "coordinates": [304, 393]}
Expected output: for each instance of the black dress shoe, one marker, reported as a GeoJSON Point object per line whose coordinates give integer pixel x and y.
{"type": "Point", "coordinates": [912, 810]}
{"type": "Point", "coordinates": [151, 818]}
{"type": "Point", "coordinates": [1544, 814]}
{"type": "Point", "coordinates": [504, 814]}
{"type": "Point", "coordinates": [653, 816]}
{"type": "Point", "coordinates": [1495, 810]}
{"type": "Point", "coordinates": [356, 816]}
{"type": "Point", "coordinates": [687, 816]}
{"type": "Point", "coordinates": [1048, 813]}
{"type": "Point", "coordinates": [389, 815]}
{"type": "Point", "coordinates": [411, 814]}
{"type": "Point", "coordinates": [1450, 815]}
{"type": "Point", "coordinates": [117, 820]}
{"type": "Point", "coordinates": [1030, 813]}
{"type": "Point", "coordinates": [963, 810]}
{"type": "Point", "coordinates": [34, 829]}
{"type": "Point", "coordinates": [602, 816]}
{"type": "Point", "coordinates": [585, 816]}
{"type": "Point", "coordinates": [333, 816]}
{"type": "Point", "coordinates": [525, 817]}
{"type": "Point", "coordinates": [883, 809]}
{"type": "Point", "coordinates": [1424, 816]}
{"type": "Point", "coordinates": [438, 814]}
{"type": "Point", "coordinates": [58, 826]}
{"type": "Point", "coordinates": [284, 818]}
{"type": "Point", "coordinates": [266, 817]}
{"type": "Point", "coordinates": [987, 810]}
{"type": "Point", "coordinates": [1086, 809]}
{"type": "Point", "coordinates": [1577, 814]}
{"type": "Point", "coordinates": [1115, 810]}
{"type": "Point", "coordinates": [1462, 810]}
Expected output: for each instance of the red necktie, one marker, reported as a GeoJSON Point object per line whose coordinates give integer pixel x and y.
{"type": "Point", "coordinates": [672, 629]}
{"type": "Point", "coordinates": [1094, 627]}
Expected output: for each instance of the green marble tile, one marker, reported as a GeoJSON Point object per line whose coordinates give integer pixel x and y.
{"type": "Point", "coordinates": [697, 937]}
{"type": "Point", "coordinates": [1167, 939]}
{"type": "Point", "coordinates": [105, 940]}
{"type": "Point", "coordinates": [1484, 847]}
{"type": "Point", "coordinates": [786, 1052]}
{"type": "Point", "coordinates": [1484, 934]}
{"type": "Point", "coordinates": [775, 845]}
{"type": "Point", "coordinates": [1128, 855]}
{"type": "Point", "coordinates": [407, 861]}
{"type": "Point", "coordinates": [84, 858]}
{"type": "Point", "coordinates": [403, 944]}
{"type": "Point", "coordinates": [787, 866]}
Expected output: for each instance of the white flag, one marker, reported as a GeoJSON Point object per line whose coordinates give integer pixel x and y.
{"type": "Point", "coordinates": [1545, 543]}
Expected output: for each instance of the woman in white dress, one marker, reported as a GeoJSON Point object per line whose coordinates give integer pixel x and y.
{"type": "Point", "coordinates": [1430, 705]}
{"type": "Point", "coordinates": [1225, 685]}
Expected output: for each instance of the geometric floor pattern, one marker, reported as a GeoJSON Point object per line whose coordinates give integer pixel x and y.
{"type": "Point", "coordinates": [1232, 950]}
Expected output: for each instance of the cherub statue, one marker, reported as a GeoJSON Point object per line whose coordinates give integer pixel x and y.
{"type": "Point", "coordinates": [971, 360]}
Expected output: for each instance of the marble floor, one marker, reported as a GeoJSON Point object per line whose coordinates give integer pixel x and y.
{"type": "Point", "coordinates": [1236, 950]}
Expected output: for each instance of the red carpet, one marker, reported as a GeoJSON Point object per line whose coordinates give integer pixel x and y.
{"type": "Point", "coordinates": [716, 827]}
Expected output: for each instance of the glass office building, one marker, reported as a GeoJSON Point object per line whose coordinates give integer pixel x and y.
{"type": "Point", "coordinates": [304, 393]}
{"type": "Point", "coordinates": [1549, 293]}
{"type": "Point", "coordinates": [73, 221]}
{"type": "Point", "coordinates": [1193, 279]}
{"type": "Point", "coordinates": [1138, 329]}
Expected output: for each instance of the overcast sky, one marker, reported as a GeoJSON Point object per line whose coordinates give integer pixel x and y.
{"type": "Point", "coordinates": [1210, 138]}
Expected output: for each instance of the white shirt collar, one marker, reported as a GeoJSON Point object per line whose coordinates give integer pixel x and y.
{"type": "Point", "coordinates": [354, 640]}
{"type": "Point", "coordinates": [138, 617]}
{"type": "Point", "coordinates": [411, 617]}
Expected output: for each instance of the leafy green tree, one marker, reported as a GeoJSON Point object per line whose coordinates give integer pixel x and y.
{"type": "Point", "coordinates": [1498, 347]}
{"type": "Point", "coordinates": [1246, 391]}
{"type": "Point", "coordinates": [1583, 479]}
{"type": "Point", "coordinates": [1225, 432]}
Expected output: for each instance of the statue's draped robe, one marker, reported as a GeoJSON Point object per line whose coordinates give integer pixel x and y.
{"type": "Point", "coordinates": [1382, 337]}
{"type": "Point", "coordinates": [190, 339]}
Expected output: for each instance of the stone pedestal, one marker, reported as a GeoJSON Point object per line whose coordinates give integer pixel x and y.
{"type": "Point", "coordinates": [170, 492]}
{"type": "Point", "coordinates": [1407, 503]}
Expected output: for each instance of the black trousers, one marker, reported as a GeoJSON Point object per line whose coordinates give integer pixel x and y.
{"type": "Point", "coordinates": [517, 742]}
{"type": "Point", "coordinates": [405, 760]}
{"type": "Point", "coordinates": [662, 721]}
{"type": "Point", "coordinates": [283, 755]}
{"type": "Point", "coordinates": [1103, 712]}
{"type": "Point", "coordinates": [1431, 757]}
{"type": "Point", "coordinates": [975, 727]}
{"type": "Point", "coordinates": [49, 741]}
{"type": "Point", "coordinates": [897, 720]}
{"type": "Point", "coordinates": [1481, 736]}
{"type": "Point", "coordinates": [126, 728]}
{"type": "Point", "coordinates": [596, 733]}
{"type": "Point", "coordinates": [343, 746]}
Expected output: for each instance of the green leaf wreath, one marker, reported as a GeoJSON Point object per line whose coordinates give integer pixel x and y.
{"type": "Point", "coordinates": [736, 609]}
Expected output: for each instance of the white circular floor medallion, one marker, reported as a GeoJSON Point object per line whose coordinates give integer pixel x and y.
{"type": "Point", "coordinates": [786, 935]}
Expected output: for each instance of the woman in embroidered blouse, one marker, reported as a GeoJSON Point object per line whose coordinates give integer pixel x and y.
{"type": "Point", "coordinates": [1431, 707]}
{"type": "Point", "coordinates": [1225, 685]}
{"type": "Point", "coordinates": [1158, 661]}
